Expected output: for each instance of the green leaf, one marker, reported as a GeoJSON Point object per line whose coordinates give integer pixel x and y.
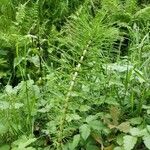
{"type": "Point", "coordinates": [129, 142]}
{"type": "Point", "coordinates": [9, 89]}
{"type": "Point", "coordinates": [96, 125]}
{"type": "Point", "coordinates": [135, 132]}
{"type": "Point", "coordinates": [71, 117]}
{"type": "Point", "coordinates": [92, 147]}
{"type": "Point", "coordinates": [3, 128]}
{"type": "Point", "coordinates": [136, 121]}
{"type": "Point", "coordinates": [91, 118]}
{"type": "Point", "coordinates": [146, 140]}
{"type": "Point", "coordinates": [23, 142]}
{"type": "Point", "coordinates": [118, 148]}
{"type": "Point", "coordinates": [148, 128]}
{"type": "Point", "coordinates": [119, 139]}
{"type": "Point", "coordinates": [5, 147]}
{"type": "Point", "coordinates": [4, 105]}
{"type": "Point", "coordinates": [74, 144]}
{"type": "Point", "coordinates": [85, 131]}
{"type": "Point", "coordinates": [124, 127]}
{"type": "Point", "coordinates": [84, 108]}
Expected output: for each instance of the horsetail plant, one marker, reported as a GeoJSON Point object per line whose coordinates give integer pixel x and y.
{"type": "Point", "coordinates": [66, 101]}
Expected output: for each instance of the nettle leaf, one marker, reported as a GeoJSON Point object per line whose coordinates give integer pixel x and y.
{"type": "Point", "coordinates": [91, 118]}
{"type": "Point", "coordinates": [148, 128]}
{"type": "Point", "coordinates": [92, 147]}
{"type": "Point", "coordinates": [74, 144]}
{"type": "Point", "coordinates": [124, 127]}
{"type": "Point", "coordinates": [5, 147]}
{"type": "Point", "coordinates": [71, 117]}
{"type": "Point", "coordinates": [118, 148]}
{"type": "Point", "coordinates": [119, 139]}
{"type": "Point", "coordinates": [84, 108]}
{"type": "Point", "coordinates": [146, 140]}
{"type": "Point", "coordinates": [136, 120]}
{"type": "Point", "coordinates": [129, 142]}
{"type": "Point", "coordinates": [135, 132]}
{"type": "Point", "coordinates": [85, 131]}
{"type": "Point", "coordinates": [96, 125]}
{"type": "Point", "coordinates": [3, 128]}
{"type": "Point", "coordinates": [4, 105]}
{"type": "Point", "coordinates": [115, 113]}
{"type": "Point", "coordinates": [9, 89]}
{"type": "Point", "coordinates": [23, 142]}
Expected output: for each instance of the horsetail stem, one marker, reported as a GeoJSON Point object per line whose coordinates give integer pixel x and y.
{"type": "Point", "coordinates": [72, 83]}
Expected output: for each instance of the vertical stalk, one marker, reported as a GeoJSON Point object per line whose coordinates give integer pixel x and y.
{"type": "Point", "coordinates": [72, 83]}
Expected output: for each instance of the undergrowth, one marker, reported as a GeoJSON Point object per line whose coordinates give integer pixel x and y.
{"type": "Point", "coordinates": [74, 75]}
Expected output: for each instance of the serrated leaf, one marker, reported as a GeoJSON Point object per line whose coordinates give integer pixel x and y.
{"type": "Point", "coordinates": [124, 127]}
{"type": "Point", "coordinates": [84, 108]}
{"type": "Point", "coordinates": [74, 144]}
{"type": "Point", "coordinates": [119, 139]}
{"type": "Point", "coordinates": [96, 125]}
{"type": "Point", "coordinates": [9, 89]}
{"type": "Point", "coordinates": [5, 147]}
{"type": "Point", "coordinates": [71, 117]}
{"type": "Point", "coordinates": [118, 148]}
{"type": "Point", "coordinates": [148, 128]}
{"type": "Point", "coordinates": [85, 131]}
{"type": "Point", "coordinates": [115, 113]}
{"type": "Point", "coordinates": [91, 147]}
{"type": "Point", "coordinates": [129, 142]}
{"type": "Point", "coordinates": [3, 128]}
{"type": "Point", "coordinates": [136, 121]}
{"type": "Point", "coordinates": [146, 140]}
{"type": "Point", "coordinates": [90, 118]}
{"type": "Point", "coordinates": [135, 132]}
{"type": "Point", "coordinates": [23, 142]}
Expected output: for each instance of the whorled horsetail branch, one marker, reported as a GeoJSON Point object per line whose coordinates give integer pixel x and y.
{"type": "Point", "coordinates": [72, 83]}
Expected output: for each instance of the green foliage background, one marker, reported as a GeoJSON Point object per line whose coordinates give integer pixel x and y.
{"type": "Point", "coordinates": [74, 74]}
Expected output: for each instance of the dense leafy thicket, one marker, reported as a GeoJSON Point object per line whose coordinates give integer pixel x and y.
{"type": "Point", "coordinates": [74, 75]}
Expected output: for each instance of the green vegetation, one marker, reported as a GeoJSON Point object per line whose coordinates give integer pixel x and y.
{"type": "Point", "coordinates": [74, 75]}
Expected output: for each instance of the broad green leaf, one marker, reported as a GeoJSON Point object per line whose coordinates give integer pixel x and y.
{"type": "Point", "coordinates": [146, 140]}
{"type": "Point", "coordinates": [27, 143]}
{"type": "Point", "coordinates": [5, 147]}
{"type": "Point", "coordinates": [3, 128]}
{"type": "Point", "coordinates": [135, 132]}
{"type": "Point", "coordinates": [84, 108]}
{"type": "Point", "coordinates": [74, 144]}
{"type": "Point", "coordinates": [71, 117]}
{"type": "Point", "coordinates": [23, 142]}
{"type": "Point", "coordinates": [119, 139]}
{"type": "Point", "coordinates": [9, 89]}
{"type": "Point", "coordinates": [96, 125]}
{"type": "Point", "coordinates": [92, 147]}
{"type": "Point", "coordinates": [129, 142]}
{"type": "Point", "coordinates": [136, 121]}
{"type": "Point", "coordinates": [91, 118]}
{"type": "Point", "coordinates": [148, 128]}
{"type": "Point", "coordinates": [4, 105]}
{"type": "Point", "coordinates": [118, 148]}
{"type": "Point", "coordinates": [85, 131]}
{"type": "Point", "coordinates": [115, 113]}
{"type": "Point", "coordinates": [124, 127]}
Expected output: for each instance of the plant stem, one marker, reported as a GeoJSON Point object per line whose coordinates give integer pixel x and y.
{"type": "Point", "coordinates": [72, 83]}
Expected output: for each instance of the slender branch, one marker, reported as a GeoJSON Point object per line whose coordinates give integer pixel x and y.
{"type": "Point", "coordinates": [72, 83]}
